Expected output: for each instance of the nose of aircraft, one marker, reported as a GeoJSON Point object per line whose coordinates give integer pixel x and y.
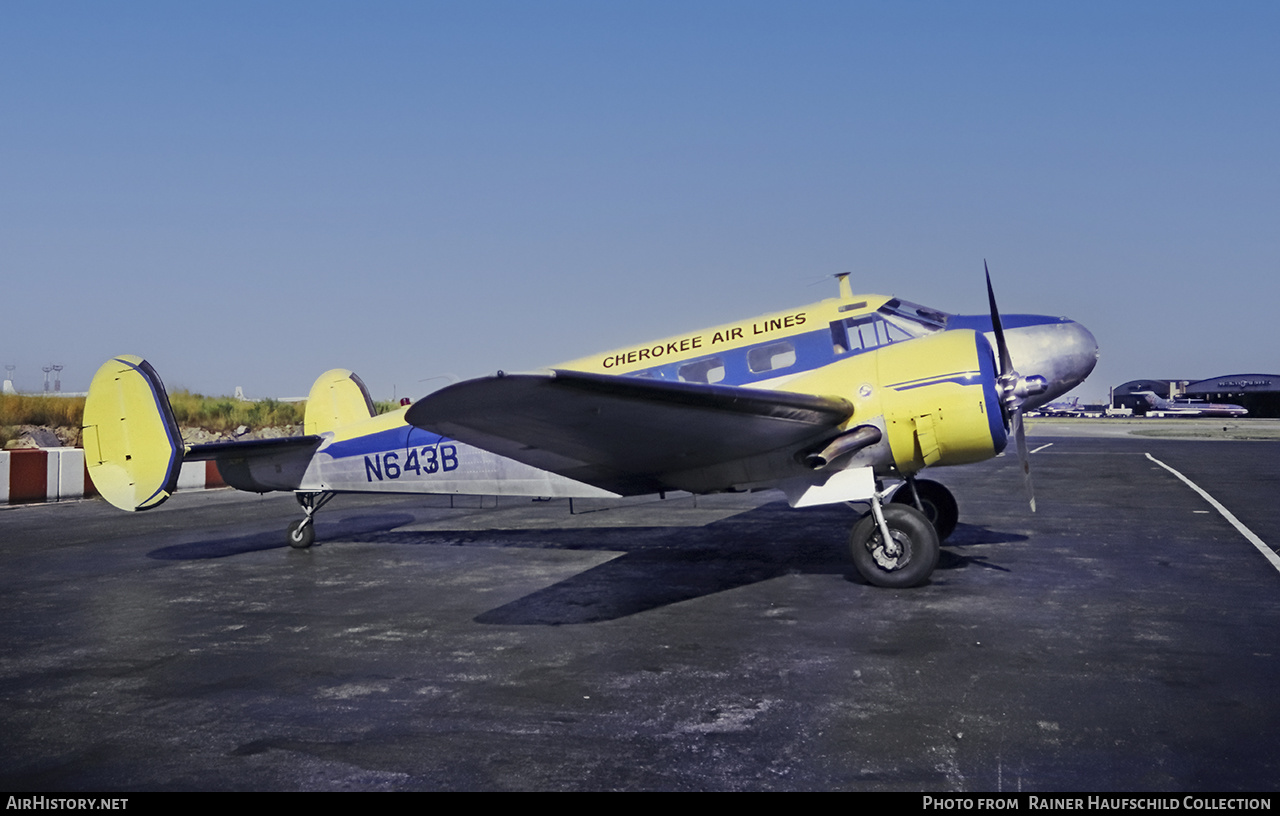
{"type": "Point", "coordinates": [1060, 350]}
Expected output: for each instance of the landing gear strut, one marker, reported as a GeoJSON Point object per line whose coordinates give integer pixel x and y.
{"type": "Point", "coordinates": [932, 499]}
{"type": "Point", "coordinates": [302, 533]}
{"type": "Point", "coordinates": [894, 545]}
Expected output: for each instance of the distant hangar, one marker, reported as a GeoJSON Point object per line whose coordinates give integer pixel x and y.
{"type": "Point", "coordinates": [1260, 393]}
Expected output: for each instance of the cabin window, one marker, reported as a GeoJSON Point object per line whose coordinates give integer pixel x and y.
{"type": "Point", "coordinates": [707, 370]}
{"type": "Point", "coordinates": [771, 357]}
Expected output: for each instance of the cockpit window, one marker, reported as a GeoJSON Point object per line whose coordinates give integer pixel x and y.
{"type": "Point", "coordinates": [857, 334]}
{"type": "Point", "coordinates": [870, 332]}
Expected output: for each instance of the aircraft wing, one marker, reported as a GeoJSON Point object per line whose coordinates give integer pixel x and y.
{"type": "Point", "coordinates": [624, 434]}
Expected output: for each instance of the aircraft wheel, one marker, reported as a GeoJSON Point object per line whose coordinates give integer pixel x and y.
{"type": "Point", "coordinates": [302, 534]}
{"type": "Point", "coordinates": [938, 503]}
{"type": "Point", "coordinates": [908, 561]}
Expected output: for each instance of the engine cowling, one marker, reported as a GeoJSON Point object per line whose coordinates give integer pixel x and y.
{"type": "Point", "coordinates": [940, 399]}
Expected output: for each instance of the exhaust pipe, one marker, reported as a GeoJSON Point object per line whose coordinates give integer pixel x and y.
{"type": "Point", "coordinates": [848, 442]}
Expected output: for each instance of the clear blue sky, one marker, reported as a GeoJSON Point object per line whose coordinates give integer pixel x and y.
{"type": "Point", "coordinates": [251, 193]}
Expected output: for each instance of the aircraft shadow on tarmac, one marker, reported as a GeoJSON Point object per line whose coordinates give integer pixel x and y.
{"type": "Point", "coordinates": [966, 535]}
{"type": "Point", "coordinates": [666, 565]}
{"type": "Point", "coordinates": [343, 529]}
{"type": "Point", "coordinates": [657, 566]}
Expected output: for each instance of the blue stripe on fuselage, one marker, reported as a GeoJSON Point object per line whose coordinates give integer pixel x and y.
{"type": "Point", "coordinates": [401, 438]}
{"type": "Point", "coordinates": [813, 349]}
{"type": "Point", "coordinates": [959, 378]}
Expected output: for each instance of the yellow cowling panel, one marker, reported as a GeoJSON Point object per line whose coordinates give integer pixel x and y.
{"type": "Point", "coordinates": [931, 392]}
{"type": "Point", "coordinates": [935, 402]}
{"type": "Point", "coordinates": [337, 399]}
{"type": "Point", "coordinates": [132, 447]}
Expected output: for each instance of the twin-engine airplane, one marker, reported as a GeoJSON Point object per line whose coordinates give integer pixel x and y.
{"type": "Point", "coordinates": [823, 402]}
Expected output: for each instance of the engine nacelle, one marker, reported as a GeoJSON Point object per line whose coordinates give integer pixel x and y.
{"type": "Point", "coordinates": [936, 399]}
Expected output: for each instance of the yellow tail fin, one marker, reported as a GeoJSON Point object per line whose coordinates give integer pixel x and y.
{"type": "Point", "coordinates": [337, 399]}
{"type": "Point", "coordinates": [131, 442]}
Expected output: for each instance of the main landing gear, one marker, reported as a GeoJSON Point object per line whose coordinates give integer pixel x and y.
{"type": "Point", "coordinates": [302, 533]}
{"type": "Point", "coordinates": [896, 544]}
{"type": "Point", "coordinates": [932, 499]}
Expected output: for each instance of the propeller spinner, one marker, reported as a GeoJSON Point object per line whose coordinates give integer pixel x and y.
{"type": "Point", "coordinates": [1014, 391]}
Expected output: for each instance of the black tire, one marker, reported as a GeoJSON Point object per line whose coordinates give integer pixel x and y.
{"type": "Point", "coordinates": [938, 503]}
{"type": "Point", "coordinates": [302, 534]}
{"type": "Point", "coordinates": [913, 534]}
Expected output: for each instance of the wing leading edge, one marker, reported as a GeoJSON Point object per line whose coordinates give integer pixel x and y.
{"type": "Point", "coordinates": [626, 434]}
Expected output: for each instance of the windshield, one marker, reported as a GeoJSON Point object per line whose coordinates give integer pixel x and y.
{"type": "Point", "coordinates": [912, 318]}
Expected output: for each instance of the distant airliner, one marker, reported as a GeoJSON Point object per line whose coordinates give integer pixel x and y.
{"type": "Point", "coordinates": [1160, 407]}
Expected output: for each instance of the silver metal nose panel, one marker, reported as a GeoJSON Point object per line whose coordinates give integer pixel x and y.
{"type": "Point", "coordinates": [1063, 352]}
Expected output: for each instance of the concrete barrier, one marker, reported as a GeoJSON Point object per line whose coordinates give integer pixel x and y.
{"type": "Point", "coordinates": [199, 476]}
{"type": "Point", "coordinates": [57, 474]}
{"type": "Point", "coordinates": [72, 477]}
{"type": "Point", "coordinates": [29, 475]}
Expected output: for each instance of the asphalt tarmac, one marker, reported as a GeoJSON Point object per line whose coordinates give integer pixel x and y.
{"type": "Point", "coordinates": [1125, 637]}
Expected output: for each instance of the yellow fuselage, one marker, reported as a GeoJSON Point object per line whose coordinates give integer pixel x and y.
{"type": "Point", "coordinates": [929, 390]}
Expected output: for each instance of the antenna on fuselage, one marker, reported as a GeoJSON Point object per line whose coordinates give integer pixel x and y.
{"type": "Point", "coordinates": [846, 288]}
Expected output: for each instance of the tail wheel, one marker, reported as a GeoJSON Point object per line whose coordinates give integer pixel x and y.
{"type": "Point", "coordinates": [907, 560]}
{"type": "Point", "coordinates": [936, 502]}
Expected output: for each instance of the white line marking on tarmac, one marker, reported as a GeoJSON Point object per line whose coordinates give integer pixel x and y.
{"type": "Point", "coordinates": [1266, 551]}
{"type": "Point", "coordinates": [1042, 447]}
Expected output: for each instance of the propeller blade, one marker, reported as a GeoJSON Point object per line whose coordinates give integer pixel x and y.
{"type": "Point", "coordinates": [1013, 390]}
{"type": "Point", "coordinates": [1024, 458]}
{"type": "Point", "coordinates": [1006, 362]}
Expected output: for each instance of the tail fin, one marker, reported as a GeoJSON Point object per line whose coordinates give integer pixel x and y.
{"type": "Point", "coordinates": [131, 442]}
{"type": "Point", "coordinates": [337, 399]}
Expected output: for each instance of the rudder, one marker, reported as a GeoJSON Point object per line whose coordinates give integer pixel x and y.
{"type": "Point", "coordinates": [132, 446]}
{"type": "Point", "coordinates": [337, 399]}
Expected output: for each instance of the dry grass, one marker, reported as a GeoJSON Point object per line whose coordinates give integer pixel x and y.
{"type": "Point", "coordinates": [36, 409]}
{"type": "Point", "coordinates": [227, 413]}
{"type": "Point", "coordinates": [214, 414]}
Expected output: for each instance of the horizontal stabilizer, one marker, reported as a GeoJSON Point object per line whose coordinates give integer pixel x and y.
{"type": "Point", "coordinates": [251, 448]}
{"type": "Point", "coordinates": [260, 465]}
{"type": "Point", "coordinates": [624, 434]}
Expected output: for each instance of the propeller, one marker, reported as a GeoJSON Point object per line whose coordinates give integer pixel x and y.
{"type": "Point", "coordinates": [1014, 390]}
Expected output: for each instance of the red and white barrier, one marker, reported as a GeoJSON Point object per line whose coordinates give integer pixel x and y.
{"type": "Point", "coordinates": [43, 474]}
{"type": "Point", "coordinates": [58, 474]}
{"type": "Point", "coordinates": [199, 476]}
